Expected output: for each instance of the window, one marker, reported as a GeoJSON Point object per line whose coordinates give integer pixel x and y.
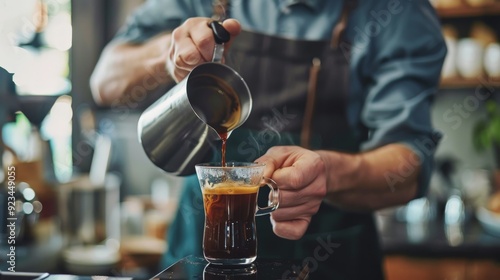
{"type": "Point", "coordinates": [35, 43]}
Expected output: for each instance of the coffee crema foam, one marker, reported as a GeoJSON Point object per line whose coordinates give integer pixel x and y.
{"type": "Point", "coordinates": [229, 188]}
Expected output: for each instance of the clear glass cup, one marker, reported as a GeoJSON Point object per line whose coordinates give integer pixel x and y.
{"type": "Point", "coordinates": [230, 202]}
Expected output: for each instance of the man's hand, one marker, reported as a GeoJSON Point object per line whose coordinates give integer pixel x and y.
{"type": "Point", "coordinates": [354, 182]}
{"type": "Point", "coordinates": [193, 43]}
{"type": "Point", "coordinates": [300, 175]}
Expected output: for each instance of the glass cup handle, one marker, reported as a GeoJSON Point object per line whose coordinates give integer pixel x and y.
{"type": "Point", "coordinates": [274, 197]}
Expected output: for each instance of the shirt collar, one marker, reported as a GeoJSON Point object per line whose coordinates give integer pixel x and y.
{"type": "Point", "coordinates": [286, 4]}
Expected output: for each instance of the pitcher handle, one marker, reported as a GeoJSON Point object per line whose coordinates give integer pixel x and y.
{"type": "Point", "coordinates": [221, 36]}
{"type": "Point", "coordinates": [274, 197]}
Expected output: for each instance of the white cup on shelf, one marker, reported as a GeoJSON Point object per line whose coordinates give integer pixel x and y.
{"type": "Point", "coordinates": [469, 59]}
{"type": "Point", "coordinates": [492, 60]}
{"type": "Point", "coordinates": [449, 66]}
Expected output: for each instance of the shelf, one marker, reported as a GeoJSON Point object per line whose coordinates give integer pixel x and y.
{"type": "Point", "coordinates": [459, 83]}
{"type": "Point", "coordinates": [468, 11]}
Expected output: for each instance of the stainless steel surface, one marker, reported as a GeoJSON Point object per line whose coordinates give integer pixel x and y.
{"type": "Point", "coordinates": [173, 135]}
{"type": "Point", "coordinates": [218, 52]}
{"type": "Point", "coordinates": [89, 214]}
{"type": "Point", "coordinates": [23, 275]}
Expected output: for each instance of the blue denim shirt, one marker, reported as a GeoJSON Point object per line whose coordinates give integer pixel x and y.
{"type": "Point", "coordinates": [396, 53]}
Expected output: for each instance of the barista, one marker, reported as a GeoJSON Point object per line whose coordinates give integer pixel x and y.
{"type": "Point", "coordinates": [342, 94]}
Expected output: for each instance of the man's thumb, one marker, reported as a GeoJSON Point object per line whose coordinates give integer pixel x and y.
{"type": "Point", "coordinates": [234, 28]}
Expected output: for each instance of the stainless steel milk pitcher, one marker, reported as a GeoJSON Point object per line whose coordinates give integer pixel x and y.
{"type": "Point", "coordinates": [179, 129]}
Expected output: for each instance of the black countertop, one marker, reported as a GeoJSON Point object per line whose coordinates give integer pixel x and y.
{"type": "Point", "coordinates": [434, 239]}
{"type": "Point", "coordinates": [194, 268]}
{"type": "Point", "coordinates": [198, 268]}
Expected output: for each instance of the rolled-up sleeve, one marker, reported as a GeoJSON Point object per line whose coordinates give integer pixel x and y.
{"type": "Point", "coordinates": [402, 77]}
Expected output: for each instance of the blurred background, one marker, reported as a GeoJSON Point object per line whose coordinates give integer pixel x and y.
{"type": "Point", "coordinates": [82, 178]}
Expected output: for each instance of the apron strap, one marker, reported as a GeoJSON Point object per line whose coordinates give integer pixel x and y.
{"type": "Point", "coordinates": [305, 134]}
{"type": "Point", "coordinates": [339, 28]}
{"type": "Point", "coordinates": [337, 33]}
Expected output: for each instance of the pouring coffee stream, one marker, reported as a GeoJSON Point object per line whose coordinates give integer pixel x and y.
{"type": "Point", "coordinates": [222, 100]}
{"type": "Point", "coordinates": [179, 129]}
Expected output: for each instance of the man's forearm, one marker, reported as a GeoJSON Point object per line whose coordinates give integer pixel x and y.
{"type": "Point", "coordinates": [128, 71]}
{"type": "Point", "coordinates": [372, 180]}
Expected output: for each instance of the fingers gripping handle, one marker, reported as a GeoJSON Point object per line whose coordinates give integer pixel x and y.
{"type": "Point", "coordinates": [274, 197]}
{"type": "Point", "coordinates": [221, 36]}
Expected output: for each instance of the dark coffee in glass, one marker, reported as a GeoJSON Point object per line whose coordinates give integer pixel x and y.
{"type": "Point", "coordinates": [230, 203]}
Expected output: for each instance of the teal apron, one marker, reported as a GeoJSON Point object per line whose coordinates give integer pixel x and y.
{"type": "Point", "coordinates": [337, 244]}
